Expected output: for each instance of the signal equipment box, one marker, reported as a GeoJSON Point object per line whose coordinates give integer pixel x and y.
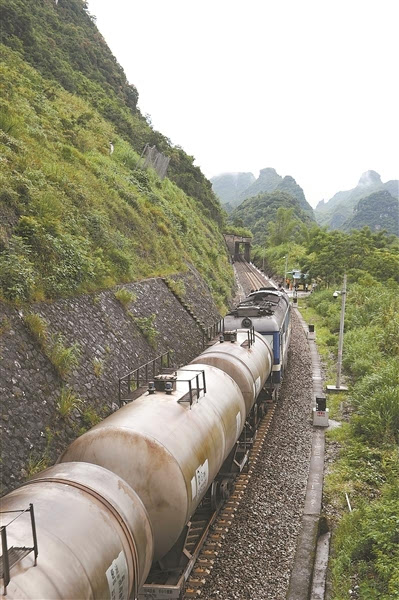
{"type": "Point", "coordinates": [320, 413]}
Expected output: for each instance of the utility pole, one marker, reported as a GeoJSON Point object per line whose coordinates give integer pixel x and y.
{"type": "Point", "coordinates": [341, 333]}
{"type": "Point", "coordinates": [338, 387]}
{"type": "Point", "coordinates": [285, 270]}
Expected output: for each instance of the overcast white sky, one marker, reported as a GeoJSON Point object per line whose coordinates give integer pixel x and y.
{"type": "Point", "coordinates": [309, 87]}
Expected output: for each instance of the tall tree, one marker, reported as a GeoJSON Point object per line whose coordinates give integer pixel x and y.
{"type": "Point", "coordinates": [283, 229]}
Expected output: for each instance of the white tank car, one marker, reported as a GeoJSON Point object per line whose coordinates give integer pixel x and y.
{"type": "Point", "coordinates": [169, 451]}
{"type": "Point", "coordinates": [94, 535]}
{"type": "Point", "coordinates": [248, 364]}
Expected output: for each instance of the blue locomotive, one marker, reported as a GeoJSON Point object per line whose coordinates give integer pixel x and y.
{"type": "Point", "coordinates": [268, 311]}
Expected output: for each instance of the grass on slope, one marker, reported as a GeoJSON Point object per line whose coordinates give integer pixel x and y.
{"type": "Point", "coordinates": [61, 41]}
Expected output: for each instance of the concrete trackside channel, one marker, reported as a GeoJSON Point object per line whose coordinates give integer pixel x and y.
{"type": "Point", "coordinates": [308, 576]}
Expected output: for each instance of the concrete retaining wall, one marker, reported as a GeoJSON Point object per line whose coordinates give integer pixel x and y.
{"type": "Point", "coordinates": [33, 433]}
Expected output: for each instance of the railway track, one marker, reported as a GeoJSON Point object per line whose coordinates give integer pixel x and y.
{"type": "Point", "coordinates": [250, 277]}
{"type": "Point", "coordinates": [224, 518]}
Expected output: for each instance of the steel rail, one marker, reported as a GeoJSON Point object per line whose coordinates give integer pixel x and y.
{"type": "Point", "coordinates": [224, 520]}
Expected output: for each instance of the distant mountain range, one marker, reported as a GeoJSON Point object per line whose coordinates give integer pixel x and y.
{"type": "Point", "coordinates": [233, 188]}
{"type": "Point", "coordinates": [371, 202]}
{"type": "Point", "coordinates": [339, 211]}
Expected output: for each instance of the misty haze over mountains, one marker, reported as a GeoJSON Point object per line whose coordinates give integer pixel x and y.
{"type": "Point", "coordinates": [343, 211]}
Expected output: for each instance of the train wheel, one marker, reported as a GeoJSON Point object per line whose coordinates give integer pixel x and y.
{"type": "Point", "coordinates": [220, 491]}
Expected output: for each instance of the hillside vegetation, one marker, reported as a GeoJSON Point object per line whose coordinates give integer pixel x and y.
{"type": "Point", "coordinates": [75, 217]}
{"type": "Point", "coordinates": [363, 451]}
{"type": "Point", "coordinates": [260, 213]}
{"type": "Point", "coordinates": [63, 43]}
{"type": "Point", "coordinates": [378, 211]}
{"type": "Point", "coordinates": [365, 548]}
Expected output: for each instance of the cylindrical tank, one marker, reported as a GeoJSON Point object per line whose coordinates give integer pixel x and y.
{"type": "Point", "coordinates": [168, 450]}
{"type": "Point", "coordinates": [93, 532]}
{"type": "Point", "coordinates": [248, 364]}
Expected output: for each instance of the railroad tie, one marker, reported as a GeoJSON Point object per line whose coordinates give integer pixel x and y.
{"type": "Point", "coordinates": [224, 520]}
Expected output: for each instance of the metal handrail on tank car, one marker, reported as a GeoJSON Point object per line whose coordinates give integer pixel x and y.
{"type": "Point", "coordinates": [212, 331]}
{"type": "Point", "coordinates": [134, 376]}
{"type": "Point", "coordinates": [11, 556]}
{"type": "Point", "coordinates": [251, 336]}
{"type": "Point", "coordinates": [197, 388]}
{"type": "Point", "coordinates": [208, 334]}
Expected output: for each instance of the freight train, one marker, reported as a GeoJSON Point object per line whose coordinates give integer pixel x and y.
{"type": "Point", "coordinates": [121, 495]}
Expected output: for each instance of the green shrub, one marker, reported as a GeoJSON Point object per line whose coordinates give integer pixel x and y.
{"type": "Point", "coordinates": [124, 154]}
{"type": "Point", "coordinates": [17, 273]}
{"type": "Point", "coordinates": [146, 326]}
{"type": "Point", "coordinates": [64, 358]}
{"type": "Point", "coordinates": [376, 399]}
{"type": "Point", "coordinates": [71, 264]}
{"type": "Point", "coordinates": [9, 122]}
{"type": "Point", "coordinates": [241, 231]}
{"type": "Point", "coordinates": [125, 296]}
{"type": "Point", "coordinates": [97, 224]}
{"type": "Point", "coordinates": [67, 402]}
{"type": "Point", "coordinates": [361, 352]}
{"type": "Point", "coordinates": [64, 259]}
{"type": "Point", "coordinates": [141, 179]}
{"type": "Point", "coordinates": [35, 465]}
{"type": "Point", "coordinates": [98, 366]}
{"type": "Point", "coordinates": [121, 263]}
{"type": "Point", "coordinates": [388, 323]}
{"type": "Point", "coordinates": [177, 286]}
{"type": "Point", "coordinates": [37, 326]}
{"type": "Point", "coordinates": [320, 296]}
{"type": "Point", "coordinates": [32, 232]}
{"type": "Point", "coordinates": [323, 308]}
{"type": "Point", "coordinates": [90, 418]}
{"type": "Point", "coordinates": [367, 546]}
{"type": "Point", "coordinates": [332, 341]}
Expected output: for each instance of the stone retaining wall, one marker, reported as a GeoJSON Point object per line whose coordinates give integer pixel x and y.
{"type": "Point", "coordinates": [110, 342]}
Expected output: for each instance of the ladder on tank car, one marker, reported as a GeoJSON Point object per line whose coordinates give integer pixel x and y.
{"type": "Point", "coordinates": [12, 556]}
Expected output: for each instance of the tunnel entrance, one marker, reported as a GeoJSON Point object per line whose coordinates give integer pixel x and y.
{"type": "Point", "coordinates": [238, 246]}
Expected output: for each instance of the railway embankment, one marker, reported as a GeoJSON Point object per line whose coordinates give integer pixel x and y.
{"type": "Point", "coordinates": [61, 361]}
{"type": "Point", "coordinates": [308, 574]}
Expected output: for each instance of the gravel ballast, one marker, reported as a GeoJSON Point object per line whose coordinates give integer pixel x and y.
{"type": "Point", "coordinates": [256, 558]}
